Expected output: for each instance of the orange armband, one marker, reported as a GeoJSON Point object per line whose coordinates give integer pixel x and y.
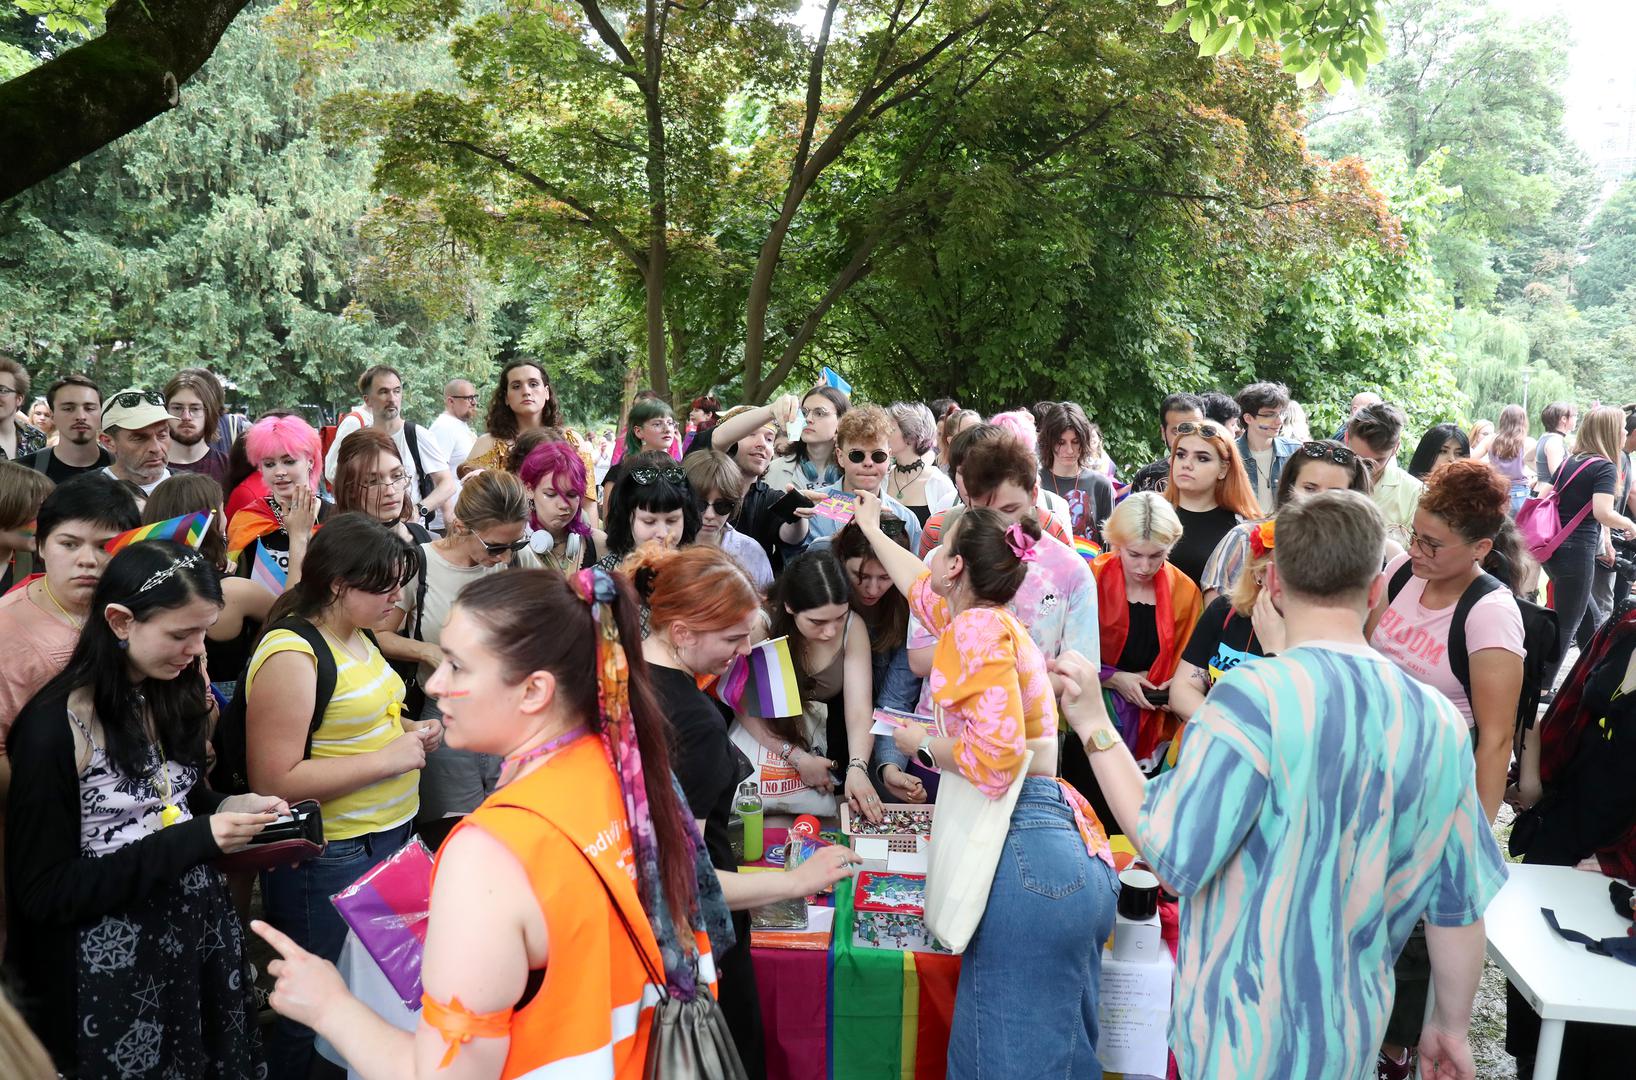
{"type": "Point", "coordinates": [459, 1025]}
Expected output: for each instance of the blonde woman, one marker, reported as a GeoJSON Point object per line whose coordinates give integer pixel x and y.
{"type": "Point", "coordinates": [1148, 609]}
{"type": "Point", "coordinates": [1236, 626]}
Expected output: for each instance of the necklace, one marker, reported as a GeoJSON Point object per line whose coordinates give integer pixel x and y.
{"type": "Point", "coordinates": [515, 762]}
{"type": "Point", "coordinates": [912, 472]}
{"type": "Point", "coordinates": [169, 812]}
{"type": "Point", "coordinates": [45, 584]}
{"type": "Point", "coordinates": [346, 646]}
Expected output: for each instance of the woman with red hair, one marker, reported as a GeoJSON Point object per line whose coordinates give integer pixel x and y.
{"type": "Point", "coordinates": [1210, 491]}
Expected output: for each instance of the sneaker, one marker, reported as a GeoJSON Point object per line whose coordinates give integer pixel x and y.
{"type": "Point", "coordinates": [1387, 1069]}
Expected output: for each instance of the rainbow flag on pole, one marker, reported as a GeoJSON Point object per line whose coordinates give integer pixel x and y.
{"type": "Point", "coordinates": [188, 529]}
{"type": "Point", "coordinates": [762, 683]}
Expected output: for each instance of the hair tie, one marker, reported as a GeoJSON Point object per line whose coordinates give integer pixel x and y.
{"type": "Point", "coordinates": [1021, 544]}
{"type": "Point", "coordinates": [1261, 539]}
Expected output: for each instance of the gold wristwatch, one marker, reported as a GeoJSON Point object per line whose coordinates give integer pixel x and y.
{"type": "Point", "coordinates": [1102, 738]}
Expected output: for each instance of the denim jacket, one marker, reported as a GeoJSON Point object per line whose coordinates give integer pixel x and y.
{"type": "Point", "coordinates": [1281, 450]}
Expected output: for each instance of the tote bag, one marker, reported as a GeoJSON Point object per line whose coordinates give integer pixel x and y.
{"type": "Point", "coordinates": [968, 836]}
{"type": "Point", "coordinates": [1539, 519]}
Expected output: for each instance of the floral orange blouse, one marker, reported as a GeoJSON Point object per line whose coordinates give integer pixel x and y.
{"type": "Point", "coordinates": [992, 693]}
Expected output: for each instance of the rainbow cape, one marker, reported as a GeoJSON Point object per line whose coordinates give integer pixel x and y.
{"type": "Point", "coordinates": [761, 683]}
{"type": "Point", "coordinates": [188, 529]}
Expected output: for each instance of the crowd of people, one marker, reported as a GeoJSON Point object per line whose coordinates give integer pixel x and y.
{"type": "Point", "coordinates": [1301, 678]}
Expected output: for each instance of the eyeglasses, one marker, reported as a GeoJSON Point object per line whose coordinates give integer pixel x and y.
{"type": "Point", "coordinates": [1340, 455]}
{"type": "Point", "coordinates": [1207, 429]}
{"type": "Point", "coordinates": [501, 549]}
{"type": "Point", "coordinates": [1429, 546]}
{"type": "Point", "coordinates": [464, 397]}
{"type": "Point", "coordinates": [650, 476]}
{"type": "Point", "coordinates": [4, 390]}
{"type": "Point", "coordinates": [722, 507]}
{"type": "Point", "coordinates": [185, 410]}
{"type": "Point", "coordinates": [130, 399]}
{"type": "Point", "coordinates": [397, 479]}
{"type": "Point", "coordinates": [879, 457]}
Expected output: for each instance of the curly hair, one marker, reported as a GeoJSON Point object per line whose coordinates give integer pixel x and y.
{"type": "Point", "coordinates": [863, 423]}
{"type": "Point", "coordinates": [501, 422]}
{"type": "Point", "coordinates": [1471, 497]}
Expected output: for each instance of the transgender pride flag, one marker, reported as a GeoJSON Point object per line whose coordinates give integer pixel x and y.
{"type": "Point", "coordinates": [762, 683]}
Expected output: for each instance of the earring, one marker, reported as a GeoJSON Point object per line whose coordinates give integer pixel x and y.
{"type": "Point", "coordinates": [946, 585]}
{"type": "Point", "coordinates": [123, 644]}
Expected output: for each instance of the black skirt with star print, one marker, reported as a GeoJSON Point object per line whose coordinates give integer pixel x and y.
{"type": "Point", "coordinates": [164, 989]}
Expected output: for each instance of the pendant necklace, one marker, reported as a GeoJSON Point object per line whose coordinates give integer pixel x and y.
{"type": "Point", "coordinates": [169, 812]}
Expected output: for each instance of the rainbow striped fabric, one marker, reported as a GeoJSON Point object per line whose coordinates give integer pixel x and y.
{"type": "Point", "coordinates": [1086, 549]}
{"type": "Point", "coordinates": [762, 683]}
{"type": "Point", "coordinates": [188, 529]}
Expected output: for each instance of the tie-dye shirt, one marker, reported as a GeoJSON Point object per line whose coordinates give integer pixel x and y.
{"type": "Point", "coordinates": [1323, 802]}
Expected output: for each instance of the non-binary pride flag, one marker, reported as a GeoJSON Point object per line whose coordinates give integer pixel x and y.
{"type": "Point", "coordinates": [762, 683]}
{"type": "Point", "coordinates": [188, 529]}
{"type": "Point", "coordinates": [267, 571]}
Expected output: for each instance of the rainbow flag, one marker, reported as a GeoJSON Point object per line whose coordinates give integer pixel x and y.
{"type": "Point", "coordinates": [762, 683]}
{"type": "Point", "coordinates": [266, 571]}
{"type": "Point", "coordinates": [1086, 549]}
{"type": "Point", "coordinates": [188, 529]}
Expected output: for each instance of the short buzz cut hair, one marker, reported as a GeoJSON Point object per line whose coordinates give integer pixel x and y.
{"type": "Point", "coordinates": [1329, 545]}
{"type": "Point", "coordinates": [1262, 395]}
{"type": "Point", "coordinates": [1380, 426]}
{"type": "Point", "coordinates": [366, 381]}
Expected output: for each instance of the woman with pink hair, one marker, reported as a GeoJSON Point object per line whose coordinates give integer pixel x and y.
{"type": "Point", "coordinates": [285, 452]}
{"type": "Point", "coordinates": [554, 474]}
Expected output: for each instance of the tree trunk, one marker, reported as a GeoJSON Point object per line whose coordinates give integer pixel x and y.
{"type": "Point", "coordinates": [59, 112]}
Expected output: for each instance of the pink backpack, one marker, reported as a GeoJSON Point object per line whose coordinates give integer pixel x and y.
{"type": "Point", "coordinates": [1539, 519]}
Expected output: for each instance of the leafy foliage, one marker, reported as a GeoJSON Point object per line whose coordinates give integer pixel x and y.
{"type": "Point", "coordinates": [1321, 40]}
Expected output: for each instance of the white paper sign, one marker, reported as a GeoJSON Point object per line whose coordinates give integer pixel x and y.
{"type": "Point", "coordinates": [1134, 1016]}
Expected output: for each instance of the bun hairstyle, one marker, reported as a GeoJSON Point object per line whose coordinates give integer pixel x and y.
{"type": "Point", "coordinates": [490, 498]}
{"type": "Point", "coordinates": [994, 570]}
{"type": "Point", "coordinates": [511, 608]}
{"type": "Point", "coordinates": [1470, 497]}
{"type": "Point", "coordinates": [702, 587]}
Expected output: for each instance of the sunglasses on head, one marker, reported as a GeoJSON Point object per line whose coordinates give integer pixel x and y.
{"type": "Point", "coordinates": [722, 507]}
{"type": "Point", "coordinates": [1207, 429]}
{"type": "Point", "coordinates": [130, 399]}
{"type": "Point", "coordinates": [1340, 455]}
{"type": "Point", "coordinates": [501, 549]}
{"type": "Point", "coordinates": [649, 476]}
{"type": "Point", "coordinates": [879, 457]}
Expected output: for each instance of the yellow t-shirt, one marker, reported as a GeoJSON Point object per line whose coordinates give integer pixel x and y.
{"type": "Point", "coordinates": [356, 721]}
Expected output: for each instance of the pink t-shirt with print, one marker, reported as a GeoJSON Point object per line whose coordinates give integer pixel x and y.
{"type": "Point", "coordinates": [1416, 638]}
{"type": "Point", "coordinates": [38, 646]}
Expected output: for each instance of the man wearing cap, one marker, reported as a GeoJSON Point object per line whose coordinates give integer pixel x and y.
{"type": "Point", "coordinates": [136, 431]}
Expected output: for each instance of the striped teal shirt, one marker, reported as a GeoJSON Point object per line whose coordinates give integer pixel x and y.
{"type": "Point", "coordinates": [1323, 802]}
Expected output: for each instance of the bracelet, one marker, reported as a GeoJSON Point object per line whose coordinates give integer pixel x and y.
{"type": "Point", "coordinates": [790, 755]}
{"type": "Point", "coordinates": [784, 751]}
{"type": "Point", "coordinates": [858, 763]}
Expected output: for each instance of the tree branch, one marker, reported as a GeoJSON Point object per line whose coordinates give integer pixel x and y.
{"type": "Point", "coordinates": [57, 113]}
{"type": "Point", "coordinates": [610, 37]}
{"type": "Point", "coordinates": [856, 268]}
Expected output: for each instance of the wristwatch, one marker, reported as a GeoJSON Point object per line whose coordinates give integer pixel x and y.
{"type": "Point", "coordinates": [923, 753]}
{"type": "Point", "coordinates": [1102, 738]}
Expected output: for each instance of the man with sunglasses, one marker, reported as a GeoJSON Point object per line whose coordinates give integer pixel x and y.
{"type": "Point", "coordinates": [136, 431]}
{"type": "Point", "coordinates": [1374, 434]}
{"type": "Point", "coordinates": [453, 424]}
{"type": "Point", "coordinates": [861, 441]}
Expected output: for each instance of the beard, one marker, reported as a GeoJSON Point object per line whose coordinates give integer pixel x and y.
{"type": "Point", "coordinates": [187, 440]}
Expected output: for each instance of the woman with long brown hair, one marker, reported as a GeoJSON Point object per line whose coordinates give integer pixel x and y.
{"type": "Point", "coordinates": [370, 479]}
{"type": "Point", "coordinates": [563, 902]}
{"type": "Point", "coordinates": [1510, 451]}
{"type": "Point", "coordinates": [1210, 491]}
{"type": "Point", "coordinates": [703, 611]}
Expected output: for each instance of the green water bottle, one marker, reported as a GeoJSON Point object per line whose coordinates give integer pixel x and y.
{"type": "Point", "coordinates": [747, 804]}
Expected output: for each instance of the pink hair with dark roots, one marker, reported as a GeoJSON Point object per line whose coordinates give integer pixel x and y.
{"type": "Point", "coordinates": [274, 436]}
{"type": "Point", "coordinates": [1018, 423]}
{"type": "Point", "coordinates": [561, 462]}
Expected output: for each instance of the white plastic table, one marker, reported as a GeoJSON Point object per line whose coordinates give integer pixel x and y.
{"type": "Point", "coordinates": [1560, 979]}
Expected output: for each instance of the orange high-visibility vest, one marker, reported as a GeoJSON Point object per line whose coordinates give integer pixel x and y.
{"type": "Point", "coordinates": [591, 1017]}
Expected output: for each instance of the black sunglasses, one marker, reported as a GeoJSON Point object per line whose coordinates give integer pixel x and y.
{"type": "Point", "coordinates": [1340, 455]}
{"type": "Point", "coordinates": [130, 399]}
{"type": "Point", "coordinates": [722, 507]}
{"type": "Point", "coordinates": [646, 476]}
{"type": "Point", "coordinates": [879, 457]}
{"type": "Point", "coordinates": [501, 549]}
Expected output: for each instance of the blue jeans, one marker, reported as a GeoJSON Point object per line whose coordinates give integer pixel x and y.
{"type": "Point", "coordinates": [1519, 495]}
{"type": "Point", "coordinates": [296, 901]}
{"type": "Point", "coordinates": [1026, 1004]}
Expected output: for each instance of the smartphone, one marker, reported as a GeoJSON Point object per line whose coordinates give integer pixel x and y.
{"type": "Point", "coordinates": [1157, 698]}
{"type": "Point", "coordinates": [791, 501]}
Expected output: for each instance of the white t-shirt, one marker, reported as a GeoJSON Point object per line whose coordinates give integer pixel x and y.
{"type": "Point", "coordinates": [444, 581]}
{"type": "Point", "coordinates": [147, 489]}
{"type": "Point", "coordinates": [1263, 478]}
{"type": "Point", "coordinates": [456, 437]}
{"type": "Point", "coordinates": [432, 454]}
{"type": "Point", "coordinates": [1416, 638]}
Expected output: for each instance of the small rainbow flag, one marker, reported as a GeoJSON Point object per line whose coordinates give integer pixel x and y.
{"type": "Point", "coordinates": [1087, 550]}
{"type": "Point", "coordinates": [266, 571]}
{"type": "Point", "coordinates": [762, 683]}
{"type": "Point", "coordinates": [188, 529]}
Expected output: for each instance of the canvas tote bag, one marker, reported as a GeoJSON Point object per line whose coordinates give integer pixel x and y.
{"type": "Point", "coordinates": [968, 836]}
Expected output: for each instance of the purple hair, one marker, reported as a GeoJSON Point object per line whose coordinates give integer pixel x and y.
{"type": "Point", "coordinates": [272, 436]}
{"type": "Point", "coordinates": [562, 463]}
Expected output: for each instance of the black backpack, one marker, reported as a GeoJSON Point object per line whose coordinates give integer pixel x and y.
{"type": "Point", "coordinates": [231, 773]}
{"type": "Point", "coordinates": [1539, 638]}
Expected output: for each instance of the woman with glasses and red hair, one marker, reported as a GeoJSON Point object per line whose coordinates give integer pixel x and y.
{"type": "Point", "coordinates": [1209, 490]}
